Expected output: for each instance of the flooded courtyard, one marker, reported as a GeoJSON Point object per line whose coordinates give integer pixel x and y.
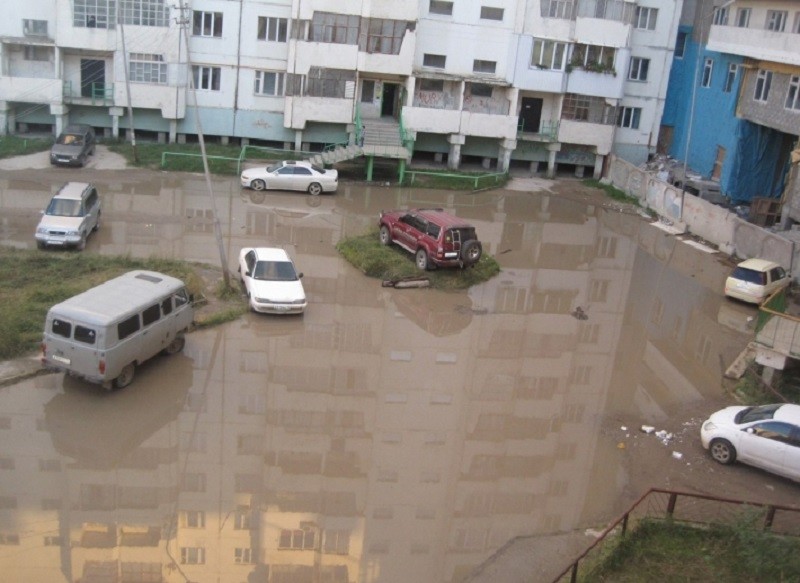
{"type": "Point", "coordinates": [387, 435]}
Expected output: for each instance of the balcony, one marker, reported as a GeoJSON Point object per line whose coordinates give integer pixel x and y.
{"type": "Point", "coordinates": [92, 94]}
{"type": "Point", "coordinates": [298, 110]}
{"type": "Point", "coordinates": [607, 83]}
{"type": "Point", "coordinates": [598, 135]}
{"type": "Point", "coordinates": [390, 64]}
{"type": "Point", "coordinates": [759, 44]}
{"type": "Point", "coordinates": [30, 90]}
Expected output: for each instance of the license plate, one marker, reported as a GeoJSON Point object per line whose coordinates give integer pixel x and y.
{"type": "Point", "coordinates": [54, 242]}
{"type": "Point", "coordinates": [61, 359]}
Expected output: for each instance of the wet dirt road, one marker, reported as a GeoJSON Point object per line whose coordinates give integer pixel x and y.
{"type": "Point", "coordinates": [386, 435]}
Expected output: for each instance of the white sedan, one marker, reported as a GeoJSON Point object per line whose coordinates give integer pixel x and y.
{"type": "Point", "coordinates": [291, 175]}
{"type": "Point", "coordinates": [767, 436]}
{"type": "Point", "coordinates": [271, 281]}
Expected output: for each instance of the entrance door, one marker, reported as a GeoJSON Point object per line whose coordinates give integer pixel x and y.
{"type": "Point", "coordinates": [389, 97]}
{"type": "Point", "coordinates": [530, 114]}
{"type": "Point", "coordinates": [93, 72]}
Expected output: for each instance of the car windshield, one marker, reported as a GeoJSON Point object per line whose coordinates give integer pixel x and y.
{"type": "Point", "coordinates": [274, 271]}
{"type": "Point", "coordinates": [756, 413]}
{"type": "Point", "coordinates": [274, 167]}
{"type": "Point", "coordinates": [70, 140]}
{"type": "Point", "coordinates": [750, 275]}
{"type": "Point", "coordinates": [64, 207]}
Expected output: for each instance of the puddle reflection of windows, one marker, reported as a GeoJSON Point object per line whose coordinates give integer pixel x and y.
{"type": "Point", "coordinates": [573, 413]}
{"type": "Point", "coordinates": [337, 542]}
{"type": "Point", "coordinates": [566, 451]}
{"type": "Point", "coordinates": [536, 388]}
{"type": "Point", "coordinates": [200, 220]}
{"type": "Point", "coordinates": [250, 444]}
{"type": "Point", "coordinates": [607, 247]}
{"type": "Point", "coordinates": [379, 547]}
{"type": "Point", "coordinates": [298, 539]}
{"type": "Point", "coordinates": [657, 311]}
{"type": "Point", "coordinates": [193, 482]}
{"type": "Point", "coordinates": [193, 441]}
{"type": "Point", "coordinates": [247, 483]}
{"type": "Point", "coordinates": [242, 519]}
{"type": "Point", "coordinates": [243, 556]}
{"type": "Point", "coordinates": [558, 488]}
{"type": "Point", "coordinates": [49, 465]}
{"type": "Point", "coordinates": [253, 362]}
{"type": "Point", "coordinates": [598, 291]}
{"type": "Point", "coordinates": [512, 300]}
{"type": "Point", "coordinates": [588, 333]}
{"type": "Point", "coordinates": [470, 539]}
{"type": "Point", "coordinates": [193, 555]}
{"type": "Point", "coordinates": [504, 344]}
{"type": "Point", "coordinates": [193, 519]}
{"type": "Point", "coordinates": [252, 404]}
{"type": "Point", "coordinates": [580, 374]}
{"type": "Point", "coordinates": [703, 348]}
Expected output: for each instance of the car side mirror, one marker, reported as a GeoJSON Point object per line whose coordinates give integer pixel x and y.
{"type": "Point", "coordinates": [750, 430]}
{"type": "Point", "coordinates": [300, 275]}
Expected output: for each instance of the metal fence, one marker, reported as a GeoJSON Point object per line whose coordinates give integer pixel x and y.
{"type": "Point", "coordinates": [681, 507]}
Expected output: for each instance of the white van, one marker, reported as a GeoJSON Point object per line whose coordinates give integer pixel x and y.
{"type": "Point", "coordinates": [104, 333]}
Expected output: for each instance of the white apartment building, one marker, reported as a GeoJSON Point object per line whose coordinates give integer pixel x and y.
{"type": "Point", "coordinates": [546, 84]}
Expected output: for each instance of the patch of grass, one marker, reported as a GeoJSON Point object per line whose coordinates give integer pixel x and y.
{"type": "Point", "coordinates": [32, 281]}
{"type": "Point", "coordinates": [17, 146]}
{"type": "Point", "coordinates": [389, 262]}
{"type": "Point", "coordinates": [222, 316]}
{"type": "Point", "coordinates": [678, 552]}
{"type": "Point", "coordinates": [455, 180]}
{"type": "Point", "coordinates": [612, 191]}
{"type": "Point", "coordinates": [149, 155]}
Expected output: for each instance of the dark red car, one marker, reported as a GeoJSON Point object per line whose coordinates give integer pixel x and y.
{"type": "Point", "coordinates": [435, 237]}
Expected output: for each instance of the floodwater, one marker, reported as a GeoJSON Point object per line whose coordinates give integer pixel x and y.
{"type": "Point", "coordinates": [387, 435]}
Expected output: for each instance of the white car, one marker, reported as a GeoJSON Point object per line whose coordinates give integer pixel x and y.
{"type": "Point", "coordinates": [271, 281]}
{"type": "Point", "coordinates": [754, 280]}
{"type": "Point", "coordinates": [71, 216]}
{"type": "Point", "coordinates": [291, 175]}
{"type": "Point", "coordinates": [767, 437]}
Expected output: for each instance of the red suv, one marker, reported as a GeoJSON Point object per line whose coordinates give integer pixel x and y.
{"type": "Point", "coordinates": [435, 237]}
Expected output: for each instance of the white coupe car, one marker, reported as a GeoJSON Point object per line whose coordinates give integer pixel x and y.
{"type": "Point", "coordinates": [767, 436]}
{"type": "Point", "coordinates": [271, 281]}
{"type": "Point", "coordinates": [291, 175]}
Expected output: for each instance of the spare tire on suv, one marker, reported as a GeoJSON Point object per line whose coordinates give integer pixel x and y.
{"type": "Point", "coordinates": [471, 252]}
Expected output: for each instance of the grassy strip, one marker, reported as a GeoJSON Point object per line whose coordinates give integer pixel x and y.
{"type": "Point", "coordinates": [612, 191]}
{"type": "Point", "coordinates": [33, 281]}
{"type": "Point", "coordinates": [390, 263]}
{"type": "Point", "coordinates": [15, 146]}
{"type": "Point", "coordinates": [455, 180]}
{"type": "Point", "coordinates": [670, 552]}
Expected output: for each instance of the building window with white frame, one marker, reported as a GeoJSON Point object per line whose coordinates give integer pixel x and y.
{"type": "Point", "coordinates": [637, 71]}
{"type": "Point", "coordinates": [193, 519]}
{"type": "Point", "coordinates": [270, 83]}
{"type": "Point", "coordinates": [144, 12]}
{"type": "Point", "coordinates": [329, 27]}
{"type": "Point", "coordinates": [243, 556]}
{"type": "Point", "coordinates": [32, 27]}
{"type": "Point", "coordinates": [796, 25]}
{"type": "Point", "coordinates": [481, 66]}
{"type": "Point", "coordinates": [743, 17]}
{"type": "Point", "coordinates": [434, 61]}
{"type": "Point", "coordinates": [491, 13]}
{"type": "Point", "coordinates": [93, 13]}
{"type": "Point", "coordinates": [730, 78]}
{"type": "Point", "coordinates": [776, 20]}
{"type": "Point", "coordinates": [193, 555]}
{"type": "Point", "coordinates": [548, 54]}
{"type": "Point", "coordinates": [206, 78]}
{"type": "Point", "coordinates": [793, 95]}
{"type": "Point", "coordinates": [645, 18]}
{"type": "Point", "coordinates": [721, 16]}
{"type": "Point", "coordinates": [35, 53]}
{"type": "Point", "coordinates": [629, 117]}
{"type": "Point", "coordinates": [563, 9]}
{"type": "Point", "coordinates": [207, 24]}
{"type": "Point", "coordinates": [763, 84]}
{"type": "Point", "coordinates": [273, 29]}
{"type": "Point", "coordinates": [384, 36]}
{"type": "Point", "coordinates": [708, 68]}
{"type": "Point", "coordinates": [147, 68]}
{"type": "Point", "coordinates": [593, 57]}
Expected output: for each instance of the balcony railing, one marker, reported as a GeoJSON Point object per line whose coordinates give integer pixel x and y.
{"type": "Point", "coordinates": [96, 93]}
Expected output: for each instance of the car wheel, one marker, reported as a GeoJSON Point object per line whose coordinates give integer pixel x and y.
{"type": "Point", "coordinates": [422, 259]}
{"type": "Point", "coordinates": [125, 376]}
{"type": "Point", "coordinates": [258, 197]}
{"type": "Point", "coordinates": [314, 189]}
{"type": "Point", "coordinates": [723, 451]}
{"type": "Point", "coordinates": [40, 245]}
{"type": "Point", "coordinates": [258, 184]}
{"type": "Point", "coordinates": [176, 345]}
{"type": "Point", "coordinates": [471, 252]}
{"type": "Point", "coordinates": [385, 235]}
{"type": "Point", "coordinates": [82, 243]}
{"type": "Point", "coordinates": [97, 224]}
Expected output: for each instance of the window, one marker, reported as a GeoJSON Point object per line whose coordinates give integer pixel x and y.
{"type": "Point", "coordinates": [337, 542]}
{"type": "Point", "coordinates": [558, 9]}
{"type": "Point", "coordinates": [34, 27]}
{"type": "Point", "coordinates": [793, 95]}
{"type": "Point", "coordinates": [206, 77]}
{"type": "Point", "coordinates": [730, 78]}
{"type": "Point", "coordinates": [84, 334]}
{"type": "Point", "coordinates": [796, 25]}
{"type": "Point", "coordinates": [384, 36]}
{"type": "Point", "coordinates": [269, 83]}
{"type": "Point", "coordinates": [436, 61]}
{"type": "Point", "coordinates": [145, 68]}
{"type": "Point", "coordinates": [589, 109]}
{"type": "Point", "coordinates": [628, 118]}
{"type": "Point", "coordinates": [476, 90]}
{"type": "Point", "coordinates": [144, 12]}
{"type": "Point", "coordinates": [93, 13]}
{"type": "Point", "coordinates": [743, 17]}
{"type": "Point", "coordinates": [273, 29]}
{"type": "Point", "coordinates": [645, 18]}
{"type": "Point", "coordinates": [680, 45]}
{"type": "Point", "coordinates": [243, 556]}
{"type": "Point", "coordinates": [431, 85]}
{"type": "Point", "coordinates": [166, 306]}
{"type": "Point", "coordinates": [441, 7]}
{"type": "Point", "coordinates": [548, 54]}
{"type": "Point", "coordinates": [763, 83]}
{"type": "Point", "coordinates": [61, 328]}
{"type": "Point", "coordinates": [708, 67]}
{"type": "Point", "coordinates": [638, 69]}
{"type": "Point", "coordinates": [327, 27]}
{"type": "Point", "coordinates": [207, 24]}
{"type": "Point", "coordinates": [298, 539]}
{"type": "Point", "coordinates": [721, 16]}
{"type": "Point", "coordinates": [193, 556]}
{"type": "Point", "coordinates": [479, 66]}
{"type": "Point", "coordinates": [193, 519]}
{"type": "Point", "coordinates": [776, 20]}
{"type": "Point", "coordinates": [367, 91]}
{"type": "Point", "coordinates": [593, 57]}
{"type": "Point", "coordinates": [489, 13]}
{"type": "Point", "coordinates": [151, 314]}
{"type": "Point", "coordinates": [34, 53]}
{"type": "Point", "coordinates": [241, 520]}
{"type": "Point", "coordinates": [9, 539]}
{"type": "Point", "coordinates": [128, 327]}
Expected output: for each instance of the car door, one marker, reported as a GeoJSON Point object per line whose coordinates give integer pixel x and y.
{"type": "Point", "coordinates": [302, 178]}
{"type": "Point", "coordinates": [246, 266]}
{"type": "Point", "coordinates": [777, 278]}
{"type": "Point", "coordinates": [93, 209]}
{"type": "Point", "coordinates": [281, 179]}
{"type": "Point", "coordinates": [764, 445]}
{"type": "Point", "coordinates": [791, 463]}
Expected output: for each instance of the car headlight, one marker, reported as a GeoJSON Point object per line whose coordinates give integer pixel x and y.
{"type": "Point", "coordinates": [709, 426]}
{"type": "Point", "coordinates": [73, 233]}
{"type": "Point", "coordinates": [300, 301]}
{"type": "Point", "coordinates": [41, 230]}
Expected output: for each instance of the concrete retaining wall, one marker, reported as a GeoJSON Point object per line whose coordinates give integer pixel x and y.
{"type": "Point", "coordinates": [731, 234]}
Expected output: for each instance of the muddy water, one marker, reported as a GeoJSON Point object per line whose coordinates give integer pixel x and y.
{"type": "Point", "coordinates": [386, 435]}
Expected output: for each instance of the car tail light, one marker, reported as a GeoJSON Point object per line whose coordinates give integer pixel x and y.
{"type": "Point", "coordinates": [43, 346]}
{"type": "Point", "coordinates": [101, 366]}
